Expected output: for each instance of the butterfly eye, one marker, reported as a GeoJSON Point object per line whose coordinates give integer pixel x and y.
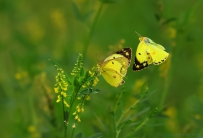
{"type": "Point", "coordinates": [112, 62]}
{"type": "Point", "coordinates": [139, 53]}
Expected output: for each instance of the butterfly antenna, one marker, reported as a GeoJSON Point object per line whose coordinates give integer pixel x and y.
{"type": "Point", "coordinates": [138, 34]}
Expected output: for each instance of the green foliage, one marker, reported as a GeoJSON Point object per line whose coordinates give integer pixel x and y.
{"type": "Point", "coordinates": [68, 99]}
{"type": "Point", "coordinates": [34, 31]}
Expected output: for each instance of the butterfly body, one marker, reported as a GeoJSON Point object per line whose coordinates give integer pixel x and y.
{"type": "Point", "coordinates": [114, 67]}
{"type": "Point", "coordinates": [148, 52]}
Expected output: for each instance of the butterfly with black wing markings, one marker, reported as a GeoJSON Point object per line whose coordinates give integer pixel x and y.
{"type": "Point", "coordinates": [114, 67]}
{"type": "Point", "coordinates": [148, 52]}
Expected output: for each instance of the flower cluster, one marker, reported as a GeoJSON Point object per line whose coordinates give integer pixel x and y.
{"type": "Point", "coordinates": [61, 86]}
{"type": "Point", "coordinates": [92, 79]}
{"type": "Point", "coordinates": [78, 65]}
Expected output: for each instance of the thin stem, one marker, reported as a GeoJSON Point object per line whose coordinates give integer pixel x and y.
{"type": "Point", "coordinates": [126, 112]}
{"type": "Point", "coordinates": [64, 118]}
{"type": "Point", "coordinates": [72, 132]}
{"type": "Point", "coordinates": [138, 127]}
{"type": "Point", "coordinates": [73, 99]}
{"type": "Point", "coordinates": [117, 132]}
{"type": "Point", "coordinates": [78, 115]}
{"type": "Point", "coordinates": [167, 82]}
{"type": "Point", "coordinates": [91, 30]}
{"type": "Point", "coordinates": [164, 94]}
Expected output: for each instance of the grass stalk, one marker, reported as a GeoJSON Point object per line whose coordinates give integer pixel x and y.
{"type": "Point", "coordinates": [91, 31]}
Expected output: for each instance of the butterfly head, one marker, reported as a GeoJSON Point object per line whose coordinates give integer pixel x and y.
{"type": "Point", "coordinates": [141, 38]}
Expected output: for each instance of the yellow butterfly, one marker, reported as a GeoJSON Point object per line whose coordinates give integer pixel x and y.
{"type": "Point", "coordinates": [148, 52]}
{"type": "Point", "coordinates": [114, 67]}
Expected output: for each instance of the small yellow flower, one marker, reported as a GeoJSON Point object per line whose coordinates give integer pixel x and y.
{"type": "Point", "coordinates": [82, 109]}
{"type": "Point", "coordinates": [90, 72]}
{"type": "Point", "coordinates": [79, 98]}
{"type": "Point", "coordinates": [56, 90]}
{"type": "Point", "coordinates": [172, 32]}
{"type": "Point", "coordinates": [59, 99]}
{"type": "Point", "coordinates": [95, 81]}
{"type": "Point", "coordinates": [88, 83]}
{"type": "Point", "coordinates": [78, 110]}
{"type": "Point", "coordinates": [73, 126]}
{"type": "Point", "coordinates": [66, 104]}
{"type": "Point", "coordinates": [32, 129]}
{"type": "Point", "coordinates": [79, 119]}
{"type": "Point", "coordinates": [74, 113]}
{"type": "Point", "coordinates": [77, 107]}
{"type": "Point", "coordinates": [18, 76]}
{"type": "Point", "coordinates": [83, 86]}
{"type": "Point", "coordinates": [64, 88]}
{"type": "Point", "coordinates": [76, 117]}
{"type": "Point", "coordinates": [87, 97]}
{"type": "Point", "coordinates": [63, 94]}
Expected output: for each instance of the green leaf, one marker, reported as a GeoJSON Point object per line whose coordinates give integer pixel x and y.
{"type": "Point", "coordinates": [76, 11]}
{"type": "Point", "coordinates": [87, 15]}
{"type": "Point", "coordinates": [82, 72]}
{"type": "Point", "coordinates": [88, 91]}
{"type": "Point", "coordinates": [79, 135]}
{"type": "Point", "coordinates": [154, 112]}
{"type": "Point", "coordinates": [97, 135]}
{"type": "Point", "coordinates": [127, 122]}
{"type": "Point", "coordinates": [102, 124]}
{"type": "Point", "coordinates": [144, 92]}
{"type": "Point", "coordinates": [54, 63]}
{"type": "Point", "coordinates": [76, 82]}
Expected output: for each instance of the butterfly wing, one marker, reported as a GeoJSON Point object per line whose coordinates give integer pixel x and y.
{"type": "Point", "coordinates": [110, 70]}
{"type": "Point", "coordinates": [114, 67]}
{"type": "Point", "coordinates": [157, 54]}
{"type": "Point", "coordinates": [125, 52]}
{"type": "Point", "coordinates": [112, 77]}
{"type": "Point", "coordinates": [148, 52]}
{"type": "Point", "coordinates": [141, 57]}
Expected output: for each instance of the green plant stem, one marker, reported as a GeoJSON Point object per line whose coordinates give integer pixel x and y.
{"type": "Point", "coordinates": [117, 132]}
{"type": "Point", "coordinates": [126, 112]}
{"type": "Point", "coordinates": [166, 87]}
{"type": "Point", "coordinates": [91, 30]}
{"type": "Point", "coordinates": [72, 132]}
{"type": "Point", "coordinates": [76, 120]}
{"type": "Point", "coordinates": [65, 126]}
{"type": "Point", "coordinates": [73, 99]}
{"type": "Point", "coordinates": [138, 127]}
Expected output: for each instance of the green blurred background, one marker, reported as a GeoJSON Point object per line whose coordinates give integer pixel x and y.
{"type": "Point", "coordinates": [31, 32]}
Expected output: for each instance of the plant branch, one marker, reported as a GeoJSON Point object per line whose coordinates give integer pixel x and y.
{"type": "Point", "coordinates": [138, 127]}
{"type": "Point", "coordinates": [121, 117]}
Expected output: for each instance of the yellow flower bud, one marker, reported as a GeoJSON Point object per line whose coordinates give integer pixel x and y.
{"type": "Point", "coordinates": [87, 97]}
{"type": "Point", "coordinates": [66, 104]}
{"type": "Point", "coordinates": [59, 99]}
{"type": "Point", "coordinates": [76, 117]}
{"type": "Point", "coordinates": [78, 110]}
{"type": "Point", "coordinates": [56, 90]}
